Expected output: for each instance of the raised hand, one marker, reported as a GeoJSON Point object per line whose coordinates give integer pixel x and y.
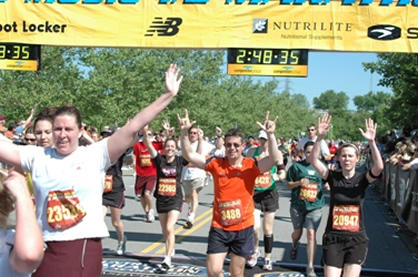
{"type": "Point", "coordinates": [269, 126]}
{"type": "Point", "coordinates": [370, 132]}
{"type": "Point", "coordinates": [218, 131]}
{"type": "Point", "coordinates": [184, 123]}
{"type": "Point", "coordinates": [172, 79]}
{"type": "Point", "coordinates": [324, 124]}
{"type": "Point", "coordinates": [166, 125]}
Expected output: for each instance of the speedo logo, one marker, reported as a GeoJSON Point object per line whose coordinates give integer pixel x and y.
{"type": "Point", "coordinates": [168, 27]}
{"type": "Point", "coordinates": [384, 32]}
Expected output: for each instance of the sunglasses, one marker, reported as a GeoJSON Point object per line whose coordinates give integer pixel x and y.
{"type": "Point", "coordinates": [30, 139]}
{"type": "Point", "coordinates": [229, 145]}
{"type": "Point", "coordinates": [311, 130]}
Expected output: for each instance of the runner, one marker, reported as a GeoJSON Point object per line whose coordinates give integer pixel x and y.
{"type": "Point", "coordinates": [345, 240]}
{"type": "Point", "coordinates": [234, 176]}
{"type": "Point", "coordinates": [68, 185]}
{"type": "Point", "coordinates": [168, 190]}
{"type": "Point", "coordinates": [266, 201]}
{"type": "Point", "coordinates": [114, 195]}
{"type": "Point", "coordinates": [307, 201]}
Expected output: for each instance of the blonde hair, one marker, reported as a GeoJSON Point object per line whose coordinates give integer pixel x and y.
{"type": "Point", "coordinates": [6, 201]}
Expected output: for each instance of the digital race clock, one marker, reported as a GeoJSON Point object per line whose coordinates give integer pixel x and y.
{"type": "Point", "coordinates": [15, 56]}
{"type": "Point", "coordinates": [273, 62]}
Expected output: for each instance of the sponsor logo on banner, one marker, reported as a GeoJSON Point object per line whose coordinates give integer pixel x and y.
{"type": "Point", "coordinates": [168, 27]}
{"type": "Point", "coordinates": [384, 32]}
{"type": "Point", "coordinates": [260, 25]}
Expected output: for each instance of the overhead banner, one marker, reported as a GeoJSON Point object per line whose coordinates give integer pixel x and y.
{"type": "Point", "coordinates": [347, 25]}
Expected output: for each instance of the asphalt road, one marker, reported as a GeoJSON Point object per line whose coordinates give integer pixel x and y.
{"type": "Point", "coordinates": [391, 248]}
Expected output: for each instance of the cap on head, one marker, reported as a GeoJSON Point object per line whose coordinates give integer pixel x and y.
{"type": "Point", "coordinates": [262, 134]}
{"type": "Point", "coordinates": [2, 117]}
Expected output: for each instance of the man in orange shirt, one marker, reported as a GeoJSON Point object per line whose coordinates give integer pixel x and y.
{"type": "Point", "coordinates": [232, 221]}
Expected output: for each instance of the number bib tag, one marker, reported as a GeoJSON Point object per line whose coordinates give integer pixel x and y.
{"type": "Point", "coordinates": [346, 218]}
{"type": "Point", "coordinates": [108, 186]}
{"type": "Point", "coordinates": [145, 160]}
{"type": "Point", "coordinates": [64, 209]}
{"type": "Point", "coordinates": [167, 187]}
{"type": "Point", "coordinates": [263, 181]}
{"type": "Point", "coordinates": [231, 212]}
{"type": "Point", "coordinates": [308, 192]}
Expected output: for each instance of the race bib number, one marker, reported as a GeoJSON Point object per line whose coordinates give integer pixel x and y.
{"type": "Point", "coordinates": [108, 186]}
{"type": "Point", "coordinates": [346, 218]}
{"type": "Point", "coordinates": [263, 181]}
{"type": "Point", "coordinates": [63, 209]}
{"type": "Point", "coordinates": [145, 160]}
{"type": "Point", "coordinates": [308, 192]}
{"type": "Point", "coordinates": [167, 187]}
{"type": "Point", "coordinates": [231, 212]}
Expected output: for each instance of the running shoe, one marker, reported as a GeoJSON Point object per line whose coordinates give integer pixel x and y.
{"type": "Point", "coordinates": [252, 261]}
{"type": "Point", "coordinates": [166, 264]}
{"type": "Point", "coordinates": [310, 272]}
{"type": "Point", "coordinates": [294, 252]}
{"type": "Point", "coordinates": [121, 246]}
{"type": "Point", "coordinates": [268, 265]}
{"type": "Point", "coordinates": [151, 216]}
{"type": "Point", "coordinates": [190, 220]}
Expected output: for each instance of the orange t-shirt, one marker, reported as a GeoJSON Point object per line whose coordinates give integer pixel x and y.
{"type": "Point", "coordinates": [233, 188]}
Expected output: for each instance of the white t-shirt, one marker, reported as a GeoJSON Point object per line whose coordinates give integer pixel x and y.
{"type": "Point", "coordinates": [7, 238]}
{"type": "Point", "coordinates": [190, 172]}
{"type": "Point", "coordinates": [83, 171]}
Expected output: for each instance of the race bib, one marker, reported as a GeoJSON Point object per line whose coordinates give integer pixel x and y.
{"type": "Point", "coordinates": [263, 181]}
{"type": "Point", "coordinates": [145, 160]}
{"type": "Point", "coordinates": [231, 212]}
{"type": "Point", "coordinates": [308, 192]}
{"type": "Point", "coordinates": [108, 185]}
{"type": "Point", "coordinates": [346, 218]}
{"type": "Point", "coordinates": [63, 209]}
{"type": "Point", "coordinates": [167, 187]}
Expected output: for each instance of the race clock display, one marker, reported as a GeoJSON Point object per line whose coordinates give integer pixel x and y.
{"type": "Point", "coordinates": [268, 62]}
{"type": "Point", "coordinates": [15, 56]}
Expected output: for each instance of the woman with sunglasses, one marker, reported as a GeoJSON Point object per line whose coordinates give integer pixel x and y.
{"type": "Point", "coordinates": [345, 240]}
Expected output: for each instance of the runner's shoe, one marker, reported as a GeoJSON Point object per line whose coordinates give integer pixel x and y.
{"type": "Point", "coordinates": [166, 264]}
{"type": "Point", "coordinates": [268, 265]}
{"type": "Point", "coordinates": [252, 261]}
{"type": "Point", "coordinates": [310, 272]}
{"type": "Point", "coordinates": [294, 252]}
{"type": "Point", "coordinates": [121, 246]}
{"type": "Point", "coordinates": [190, 220]}
{"type": "Point", "coordinates": [151, 216]}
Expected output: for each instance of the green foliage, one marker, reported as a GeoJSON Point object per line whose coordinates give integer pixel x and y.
{"type": "Point", "coordinates": [400, 73]}
{"type": "Point", "coordinates": [111, 85]}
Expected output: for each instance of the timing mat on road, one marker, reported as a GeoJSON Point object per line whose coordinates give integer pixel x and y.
{"type": "Point", "coordinates": [138, 265]}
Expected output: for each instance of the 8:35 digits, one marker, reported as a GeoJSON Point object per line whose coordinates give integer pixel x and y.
{"type": "Point", "coordinates": [14, 52]}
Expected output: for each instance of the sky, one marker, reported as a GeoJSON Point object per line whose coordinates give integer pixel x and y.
{"type": "Point", "coordinates": [338, 71]}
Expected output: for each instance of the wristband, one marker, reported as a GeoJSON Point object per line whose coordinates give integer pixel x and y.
{"type": "Point", "coordinates": [372, 175]}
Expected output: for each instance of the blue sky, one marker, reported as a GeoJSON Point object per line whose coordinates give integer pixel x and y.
{"type": "Point", "coordinates": [339, 71]}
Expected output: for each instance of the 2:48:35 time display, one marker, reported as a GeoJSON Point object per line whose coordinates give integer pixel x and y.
{"type": "Point", "coordinates": [268, 56]}
{"type": "Point", "coordinates": [14, 52]}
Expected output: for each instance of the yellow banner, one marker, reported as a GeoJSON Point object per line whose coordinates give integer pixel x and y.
{"type": "Point", "coordinates": [24, 65]}
{"type": "Point", "coordinates": [347, 25]}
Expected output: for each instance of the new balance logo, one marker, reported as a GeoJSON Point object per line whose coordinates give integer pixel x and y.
{"type": "Point", "coordinates": [169, 27]}
{"type": "Point", "coordinates": [260, 25]}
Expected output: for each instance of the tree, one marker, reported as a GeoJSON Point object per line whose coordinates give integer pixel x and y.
{"type": "Point", "coordinates": [399, 72]}
{"type": "Point", "coordinates": [377, 104]}
{"type": "Point", "coordinates": [332, 101]}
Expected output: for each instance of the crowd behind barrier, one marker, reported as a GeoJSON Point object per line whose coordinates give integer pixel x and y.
{"type": "Point", "coordinates": [400, 190]}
